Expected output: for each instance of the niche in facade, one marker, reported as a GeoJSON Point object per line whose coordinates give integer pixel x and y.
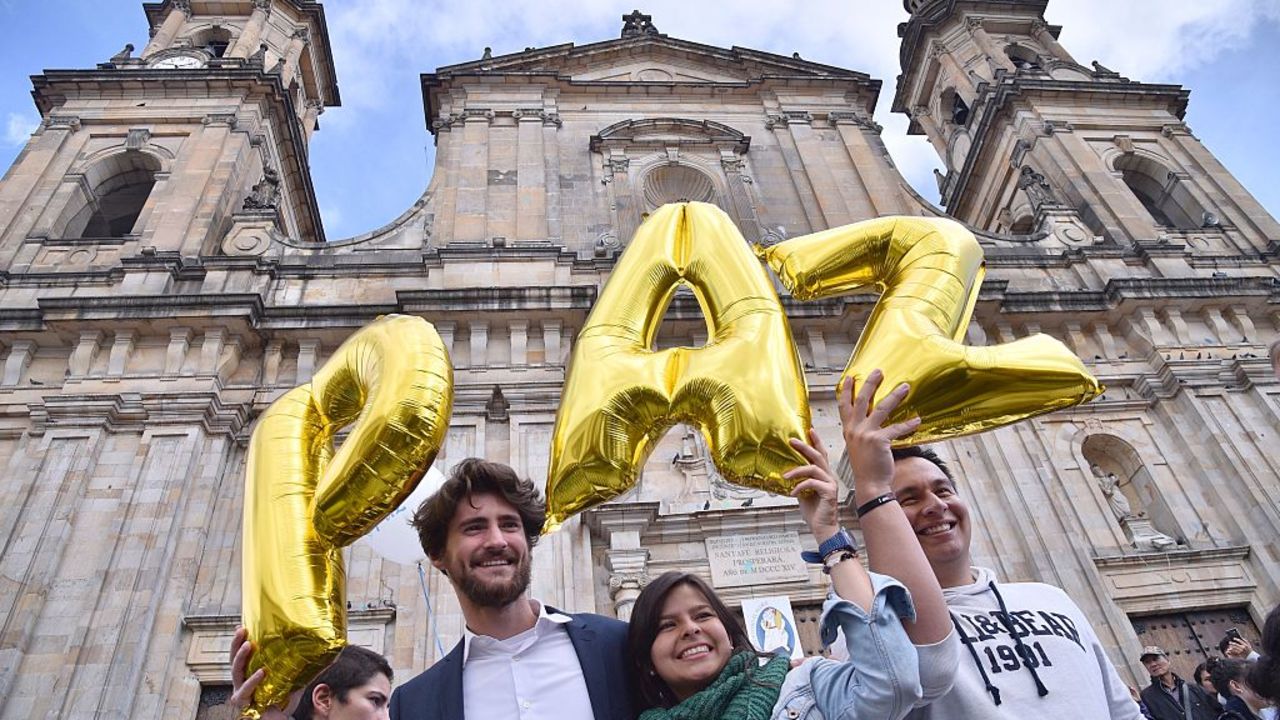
{"type": "Point", "coordinates": [111, 196]}
{"type": "Point", "coordinates": [1160, 191]}
{"type": "Point", "coordinates": [1133, 498]}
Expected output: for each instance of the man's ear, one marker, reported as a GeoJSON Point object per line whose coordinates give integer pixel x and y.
{"type": "Point", "coordinates": [322, 698]}
{"type": "Point", "coordinates": [439, 565]}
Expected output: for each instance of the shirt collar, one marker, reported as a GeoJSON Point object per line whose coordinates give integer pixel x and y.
{"type": "Point", "coordinates": [546, 620]}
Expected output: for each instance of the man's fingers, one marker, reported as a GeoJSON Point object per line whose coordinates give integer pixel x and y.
{"type": "Point", "coordinates": [906, 427]}
{"type": "Point", "coordinates": [844, 401]}
{"type": "Point", "coordinates": [888, 404]}
{"type": "Point", "coordinates": [866, 394]}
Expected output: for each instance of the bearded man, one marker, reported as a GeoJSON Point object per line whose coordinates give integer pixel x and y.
{"type": "Point", "coordinates": [518, 658]}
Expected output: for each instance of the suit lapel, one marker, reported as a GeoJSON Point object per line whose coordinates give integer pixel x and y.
{"type": "Point", "coordinates": [451, 692]}
{"type": "Point", "coordinates": [593, 667]}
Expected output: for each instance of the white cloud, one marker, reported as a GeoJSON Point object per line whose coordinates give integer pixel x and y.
{"type": "Point", "coordinates": [377, 43]}
{"type": "Point", "coordinates": [18, 128]}
{"type": "Point", "coordinates": [333, 217]}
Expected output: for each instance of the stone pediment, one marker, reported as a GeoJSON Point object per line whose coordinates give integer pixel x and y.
{"type": "Point", "coordinates": [651, 58]}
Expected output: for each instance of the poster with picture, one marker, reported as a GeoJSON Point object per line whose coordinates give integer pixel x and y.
{"type": "Point", "coordinates": [772, 626]}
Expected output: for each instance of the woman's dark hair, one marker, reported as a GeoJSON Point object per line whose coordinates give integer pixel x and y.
{"type": "Point", "coordinates": [354, 667]}
{"type": "Point", "coordinates": [1264, 676]}
{"type": "Point", "coordinates": [1201, 672]}
{"type": "Point", "coordinates": [646, 615]}
{"type": "Point", "coordinates": [470, 477]}
{"type": "Point", "coordinates": [1223, 670]}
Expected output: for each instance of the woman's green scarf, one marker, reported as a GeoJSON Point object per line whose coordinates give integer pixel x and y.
{"type": "Point", "coordinates": [745, 690]}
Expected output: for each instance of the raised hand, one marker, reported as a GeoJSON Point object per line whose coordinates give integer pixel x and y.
{"type": "Point", "coordinates": [818, 492]}
{"type": "Point", "coordinates": [867, 443]}
{"type": "Point", "coordinates": [242, 688]}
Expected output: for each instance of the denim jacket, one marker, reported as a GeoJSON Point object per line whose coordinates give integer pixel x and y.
{"type": "Point", "coordinates": [883, 679]}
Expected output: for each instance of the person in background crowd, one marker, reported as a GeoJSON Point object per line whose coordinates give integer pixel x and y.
{"type": "Point", "coordinates": [1168, 697]}
{"type": "Point", "coordinates": [1264, 676]}
{"type": "Point", "coordinates": [1229, 677]}
{"type": "Point", "coordinates": [1201, 675]}
{"type": "Point", "coordinates": [355, 687]}
{"type": "Point", "coordinates": [1032, 653]}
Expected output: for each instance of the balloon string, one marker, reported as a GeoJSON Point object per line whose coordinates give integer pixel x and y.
{"type": "Point", "coordinates": [431, 614]}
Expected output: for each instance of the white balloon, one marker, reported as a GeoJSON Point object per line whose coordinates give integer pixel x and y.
{"type": "Point", "coordinates": [394, 538]}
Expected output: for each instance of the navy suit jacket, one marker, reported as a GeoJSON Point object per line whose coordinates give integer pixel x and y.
{"type": "Point", "coordinates": [601, 644]}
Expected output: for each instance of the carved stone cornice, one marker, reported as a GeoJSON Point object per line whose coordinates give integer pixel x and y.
{"type": "Point", "coordinates": [262, 5]}
{"type": "Point", "coordinates": [846, 117]}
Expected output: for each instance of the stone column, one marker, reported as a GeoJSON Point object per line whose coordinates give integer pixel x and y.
{"type": "Point", "coordinates": [479, 343]}
{"type": "Point", "coordinates": [980, 36]}
{"type": "Point", "coordinates": [293, 54]}
{"type": "Point", "coordinates": [179, 11]}
{"type": "Point", "coordinates": [531, 172]}
{"type": "Point", "coordinates": [1040, 31]}
{"type": "Point", "coordinates": [795, 170]}
{"type": "Point", "coordinates": [951, 67]}
{"type": "Point", "coordinates": [310, 118]}
{"type": "Point", "coordinates": [742, 204]}
{"type": "Point", "coordinates": [551, 347]}
{"type": "Point", "coordinates": [626, 214]}
{"type": "Point", "coordinates": [20, 354]}
{"type": "Point", "coordinates": [121, 349]}
{"type": "Point", "coordinates": [247, 43]}
{"type": "Point", "coordinates": [628, 574]}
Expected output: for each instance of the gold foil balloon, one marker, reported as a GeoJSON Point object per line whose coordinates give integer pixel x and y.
{"type": "Point", "coordinates": [929, 272]}
{"type": "Point", "coordinates": [744, 390]}
{"type": "Point", "coordinates": [304, 503]}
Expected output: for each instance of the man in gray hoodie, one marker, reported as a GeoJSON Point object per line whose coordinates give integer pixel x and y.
{"type": "Point", "coordinates": [1032, 653]}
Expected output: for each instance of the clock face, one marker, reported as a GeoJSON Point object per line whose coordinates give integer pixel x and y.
{"type": "Point", "coordinates": [179, 62]}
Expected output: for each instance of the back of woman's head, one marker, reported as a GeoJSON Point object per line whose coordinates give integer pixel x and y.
{"type": "Point", "coordinates": [354, 667]}
{"type": "Point", "coordinates": [646, 617]}
{"type": "Point", "coordinates": [1223, 670]}
{"type": "Point", "coordinates": [1264, 676]}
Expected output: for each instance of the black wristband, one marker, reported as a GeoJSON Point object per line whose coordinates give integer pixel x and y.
{"type": "Point", "coordinates": [874, 503]}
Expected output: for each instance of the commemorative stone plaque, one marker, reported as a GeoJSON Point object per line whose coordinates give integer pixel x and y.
{"type": "Point", "coordinates": [738, 560]}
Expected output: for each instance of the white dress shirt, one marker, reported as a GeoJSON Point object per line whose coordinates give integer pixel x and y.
{"type": "Point", "coordinates": [531, 676]}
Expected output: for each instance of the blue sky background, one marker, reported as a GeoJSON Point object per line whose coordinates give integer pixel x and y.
{"type": "Point", "coordinates": [372, 157]}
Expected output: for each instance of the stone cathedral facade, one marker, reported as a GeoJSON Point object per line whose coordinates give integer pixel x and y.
{"type": "Point", "coordinates": [164, 276]}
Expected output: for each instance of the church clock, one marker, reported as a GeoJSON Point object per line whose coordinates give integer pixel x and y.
{"type": "Point", "coordinates": [183, 60]}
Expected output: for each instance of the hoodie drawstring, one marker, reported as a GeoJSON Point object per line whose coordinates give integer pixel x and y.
{"type": "Point", "coordinates": [1023, 651]}
{"type": "Point", "coordinates": [968, 642]}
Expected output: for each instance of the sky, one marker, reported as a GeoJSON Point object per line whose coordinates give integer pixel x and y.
{"type": "Point", "coordinates": [373, 156]}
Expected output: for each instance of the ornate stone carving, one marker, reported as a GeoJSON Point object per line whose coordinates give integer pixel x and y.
{"type": "Point", "coordinates": [228, 119]}
{"type": "Point", "coordinates": [266, 193]}
{"type": "Point", "coordinates": [137, 138]}
{"type": "Point", "coordinates": [1116, 499]}
{"type": "Point", "coordinates": [63, 121]}
{"type": "Point", "coordinates": [617, 164]}
{"type": "Point", "coordinates": [637, 24]}
{"type": "Point", "coordinates": [259, 56]}
{"type": "Point", "coordinates": [125, 54]}
{"type": "Point", "coordinates": [1036, 188]}
{"type": "Point", "coordinates": [1125, 143]}
{"type": "Point", "coordinates": [498, 408]}
{"type": "Point", "coordinates": [774, 121]}
{"type": "Point", "coordinates": [262, 5]}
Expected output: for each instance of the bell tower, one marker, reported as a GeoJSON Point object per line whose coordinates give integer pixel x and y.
{"type": "Point", "coordinates": [1032, 139]}
{"type": "Point", "coordinates": [161, 154]}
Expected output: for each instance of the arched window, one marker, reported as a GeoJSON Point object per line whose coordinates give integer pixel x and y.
{"type": "Point", "coordinates": [1023, 58]}
{"type": "Point", "coordinates": [1160, 192]}
{"type": "Point", "coordinates": [214, 40]}
{"type": "Point", "coordinates": [954, 109]}
{"type": "Point", "coordinates": [1024, 225]}
{"type": "Point", "coordinates": [112, 195]}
